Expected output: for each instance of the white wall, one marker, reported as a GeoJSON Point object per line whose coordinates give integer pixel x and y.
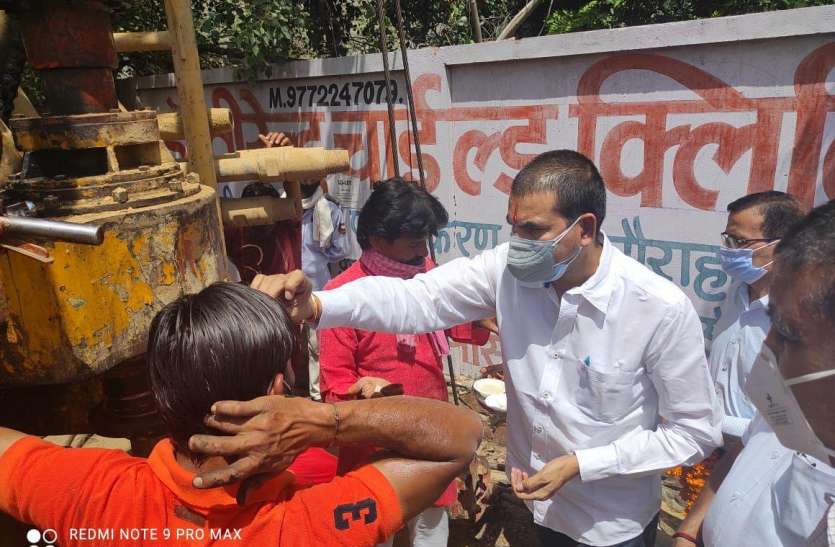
{"type": "Point", "coordinates": [681, 118]}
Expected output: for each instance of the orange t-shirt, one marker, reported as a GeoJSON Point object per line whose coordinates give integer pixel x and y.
{"type": "Point", "coordinates": [99, 497]}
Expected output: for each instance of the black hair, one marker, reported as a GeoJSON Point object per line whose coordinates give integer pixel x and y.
{"type": "Point", "coordinates": [397, 208]}
{"type": "Point", "coordinates": [571, 177]}
{"type": "Point", "coordinates": [780, 211]}
{"type": "Point", "coordinates": [258, 189]}
{"type": "Point", "coordinates": [810, 246]}
{"type": "Point", "coordinates": [227, 342]}
{"type": "Point", "coordinates": [308, 190]}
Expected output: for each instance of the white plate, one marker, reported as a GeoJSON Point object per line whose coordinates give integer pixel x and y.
{"type": "Point", "coordinates": [497, 402]}
{"type": "Point", "coordinates": [488, 386]}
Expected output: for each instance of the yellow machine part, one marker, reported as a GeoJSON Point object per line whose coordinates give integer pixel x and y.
{"type": "Point", "coordinates": [91, 307]}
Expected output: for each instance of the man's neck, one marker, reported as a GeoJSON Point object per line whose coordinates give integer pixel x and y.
{"type": "Point", "coordinates": [758, 289]}
{"type": "Point", "coordinates": [209, 464]}
{"type": "Point", "coordinates": [584, 267]}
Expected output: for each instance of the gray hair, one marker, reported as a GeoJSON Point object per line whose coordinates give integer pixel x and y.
{"type": "Point", "coordinates": [810, 246]}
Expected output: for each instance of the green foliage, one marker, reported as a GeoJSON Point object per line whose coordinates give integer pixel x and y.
{"type": "Point", "coordinates": [247, 34]}
{"type": "Point", "coordinates": [252, 34]}
{"type": "Point", "coordinates": [600, 14]}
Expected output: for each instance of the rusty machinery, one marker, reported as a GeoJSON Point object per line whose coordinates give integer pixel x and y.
{"type": "Point", "coordinates": [100, 226]}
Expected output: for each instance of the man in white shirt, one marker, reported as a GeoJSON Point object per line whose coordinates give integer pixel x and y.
{"type": "Point", "coordinates": [756, 223]}
{"type": "Point", "coordinates": [607, 381]}
{"type": "Point", "coordinates": [781, 487]}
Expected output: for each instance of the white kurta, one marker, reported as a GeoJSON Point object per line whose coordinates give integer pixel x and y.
{"type": "Point", "coordinates": [615, 372]}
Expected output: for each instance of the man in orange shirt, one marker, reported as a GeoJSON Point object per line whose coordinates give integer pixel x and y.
{"type": "Point", "coordinates": [231, 342]}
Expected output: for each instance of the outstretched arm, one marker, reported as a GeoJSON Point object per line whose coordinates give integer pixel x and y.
{"type": "Point", "coordinates": [458, 292]}
{"type": "Point", "coordinates": [432, 441]}
{"type": "Point", "coordinates": [8, 438]}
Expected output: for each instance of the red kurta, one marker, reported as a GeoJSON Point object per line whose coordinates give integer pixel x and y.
{"type": "Point", "coordinates": [347, 354]}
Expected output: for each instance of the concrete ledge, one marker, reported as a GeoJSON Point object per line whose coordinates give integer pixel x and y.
{"type": "Point", "coordinates": [719, 30]}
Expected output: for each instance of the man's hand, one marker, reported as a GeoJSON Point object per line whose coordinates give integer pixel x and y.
{"type": "Point", "coordinates": [493, 371]}
{"type": "Point", "coordinates": [293, 289]}
{"type": "Point", "coordinates": [275, 138]}
{"type": "Point", "coordinates": [489, 324]}
{"type": "Point", "coordinates": [367, 386]}
{"type": "Point", "coordinates": [547, 481]}
{"type": "Point", "coordinates": [269, 432]}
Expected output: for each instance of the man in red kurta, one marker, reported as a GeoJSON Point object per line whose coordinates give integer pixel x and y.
{"type": "Point", "coordinates": [393, 230]}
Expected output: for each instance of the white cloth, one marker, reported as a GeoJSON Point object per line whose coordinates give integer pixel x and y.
{"type": "Point", "coordinates": [322, 222]}
{"type": "Point", "coordinates": [315, 257]}
{"type": "Point", "coordinates": [732, 354]}
{"type": "Point", "coordinates": [772, 496]}
{"type": "Point", "coordinates": [313, 368]}
{"type": "Point", "coordinates": [594, 374]}
{"type": "Point", "coordinates": [429, 529]}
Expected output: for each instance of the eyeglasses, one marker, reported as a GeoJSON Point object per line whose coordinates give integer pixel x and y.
{"type": "Point", "coordinates": [734, 242]}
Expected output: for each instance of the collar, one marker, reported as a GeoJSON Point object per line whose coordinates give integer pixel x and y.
{"type": "Point", "coordinates": [597, 289]}
{"type": "Point", "coordinates": [164, 465]}
{"type": "Point", "coordinates": [742, 296]}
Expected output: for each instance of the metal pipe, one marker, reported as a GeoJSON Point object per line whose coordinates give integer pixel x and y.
{"type": "Point", "coordinates": [411, 100]}
{"type": "Point", "coordinates": [258, 211]}
{"type": "Point", "coordinates": [384, 50]}
{"type": "Point", "coordinates": [286, 163]}
{"type": "Point", "coordinates": [421, 175]}
{"type": "Point", "coordinates": [54, 230]}
{"type": "Point", "coordinates": [127, 42]}
{"type": "Point", "coordinates": [171, 124]}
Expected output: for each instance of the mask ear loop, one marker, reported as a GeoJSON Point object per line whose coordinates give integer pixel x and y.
{"type": "Point", "coordinates": [765, 266]}
{"type": "Point", "coordinates": [763, 246]}
{"type": "Point", "coordinates": [810, 377]}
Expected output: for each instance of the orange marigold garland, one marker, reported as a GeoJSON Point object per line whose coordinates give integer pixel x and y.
{"type": "Point", "coordinates": [692, 478]}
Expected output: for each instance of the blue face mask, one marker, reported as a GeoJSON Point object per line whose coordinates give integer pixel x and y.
{"type": "Point", "coordinates": [739, 263]}
{"type": "Point", "coordinates": [532, 261]}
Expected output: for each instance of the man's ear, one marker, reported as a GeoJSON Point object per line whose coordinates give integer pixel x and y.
{"type": "Point", "coordinates": [277, 387]}
{"type": "Point", "coordinates": [588, 227]}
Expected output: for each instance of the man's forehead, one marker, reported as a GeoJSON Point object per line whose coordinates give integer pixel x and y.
{"type": "Point", "coordinates": [746, 223]}
{"type": "Point", "coordinates": [538, 206]}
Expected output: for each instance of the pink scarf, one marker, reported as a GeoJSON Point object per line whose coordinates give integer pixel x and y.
{"type": "Point", "coordinates": [377, 264]}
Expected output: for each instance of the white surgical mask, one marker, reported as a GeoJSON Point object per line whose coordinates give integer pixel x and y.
{"type": "Point", "coordinates": [774, 399]}
{"type": "Point", "coordinates": [532, 261]}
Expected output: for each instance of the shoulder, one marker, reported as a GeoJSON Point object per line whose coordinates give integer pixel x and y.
{"type": "Point", "coordinates": [73, 473]}
{"type": "Point", "coordinates": [646, 284]}
{"type": "Point", "coordinates": [353, 273]}
{"type": "Point", "coordinates": [491, 260]}
{"type": "Point", "coordinates": [360, 508]}
{"type": "Point", "coordinates": [30, 448]}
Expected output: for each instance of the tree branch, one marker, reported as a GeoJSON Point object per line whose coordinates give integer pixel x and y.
{"type": "Point", "coordinates": [518, 19]}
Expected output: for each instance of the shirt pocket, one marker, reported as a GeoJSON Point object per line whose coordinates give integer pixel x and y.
{"type": "Point", "coordinates": [604, 396]}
